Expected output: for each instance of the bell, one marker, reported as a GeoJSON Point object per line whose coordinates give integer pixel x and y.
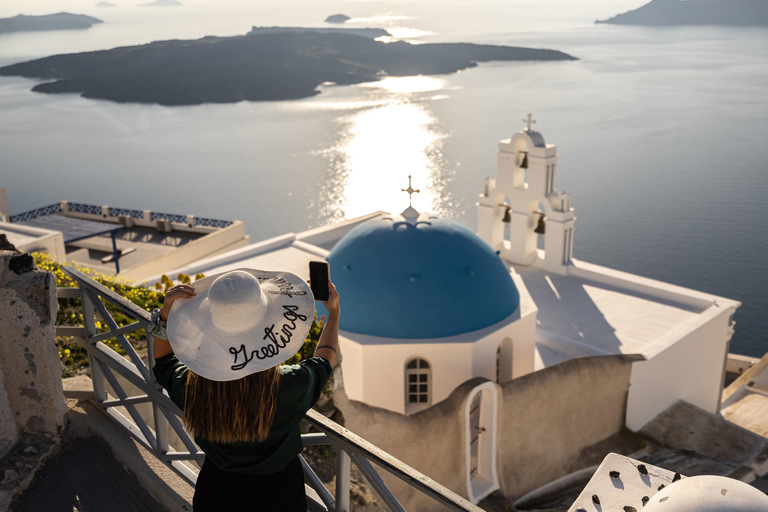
{"type": "Point", "coordinates": [541, 227]}
{"type": "Point", "coordinates": [507, 217]}
{"type": "Point", "coordinates": [524, 165]}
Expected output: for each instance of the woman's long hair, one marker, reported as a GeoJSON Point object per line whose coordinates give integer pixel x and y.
{"type": "Point", "coordinates": [238, 410]}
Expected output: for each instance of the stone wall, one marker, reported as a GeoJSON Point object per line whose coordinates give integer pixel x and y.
{"type": "Point", "coordinates": [31, 398]}
{"type": "Point", "coordinates": [550, 423]}
{"type": "Point", "coordinates": [430, 441]}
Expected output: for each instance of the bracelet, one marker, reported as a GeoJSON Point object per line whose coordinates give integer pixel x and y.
{"type": "Point", "coordinates": [162, 321]}
{"type": "Point", "coordinates": [327, 346]}
{"type": "Point", "coordinates": [156, 326]}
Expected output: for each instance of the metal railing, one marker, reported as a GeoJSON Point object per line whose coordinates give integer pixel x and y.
{"type": "Point", "coordinates": [106, 364]}
{"type": "Point", "coordinates": [213, 223]}
{"type": "Point", "coordinates": [33, 214]}
{"type": "Point", "coordinates": [92, 209]}
{"type": "Point", "coordinates": [127, 212]}
{"type": "Point", "coordinates": [173, 217]}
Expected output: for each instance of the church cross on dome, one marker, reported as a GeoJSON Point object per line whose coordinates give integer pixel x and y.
{"type": "Point", "coordinates": [530, 121]}
{"type": "Point", "coordinates": [410, 191]}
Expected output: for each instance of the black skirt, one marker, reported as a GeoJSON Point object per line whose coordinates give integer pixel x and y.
{"type": "Point", "coordinates": [219, 490]}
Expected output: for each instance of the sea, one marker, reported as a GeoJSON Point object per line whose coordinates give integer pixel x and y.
{"type": "Point", "coordinates": [662, 133]}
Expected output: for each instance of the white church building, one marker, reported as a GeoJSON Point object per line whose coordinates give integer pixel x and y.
{"type": "Point", "coordinates": [428, 305]}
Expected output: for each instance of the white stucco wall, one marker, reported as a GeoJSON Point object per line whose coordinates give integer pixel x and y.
{"type": "Point", "coordinates": [374, 368]}
{"type": "Point", "coordinates": [29, 239]}
{"type": "Point", "coordinates": [384, 374]}
{"type": "Point", "coordinates": [690, 369]}
{"type": "Point", "coordinates": [5, 210]}
{"type": "Point", "coordinates": [216, 242]}
{"type": "Point", "coordinates": [523, 336]}
{"type": "Point", "coordinates": [352, 368]}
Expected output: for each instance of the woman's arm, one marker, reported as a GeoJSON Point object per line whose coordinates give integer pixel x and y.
{"type": "Point", "coordinates": [162, 346]}
{"type": "Point", "coordinates": [328, 345]}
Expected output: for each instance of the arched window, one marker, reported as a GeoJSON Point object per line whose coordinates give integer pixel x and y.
{"type": "Point", "coordinates": [418, 394]}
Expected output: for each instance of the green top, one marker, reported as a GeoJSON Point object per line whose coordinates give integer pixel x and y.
{"type": "Point", "coordinates": [300, 387]}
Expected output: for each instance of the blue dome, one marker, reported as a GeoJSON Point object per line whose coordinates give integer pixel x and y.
{"type": "Point", "coordinates": [431, 279]}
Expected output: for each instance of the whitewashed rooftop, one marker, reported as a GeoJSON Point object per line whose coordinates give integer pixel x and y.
{"type": "Point", "coordinates": [599, 311]}
{"type": "Point", "coordinates": [291, 252]}
{"type": "Point", "coordinates": [590, 311]}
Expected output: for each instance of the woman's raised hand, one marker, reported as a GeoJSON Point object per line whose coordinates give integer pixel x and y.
{"type": "Point", "coordinates": [332, 304]}
{"type": "Point", "coordinates": [180, 291]}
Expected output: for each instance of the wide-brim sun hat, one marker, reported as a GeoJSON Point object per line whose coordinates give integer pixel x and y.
{"type": "Point", "coordinates": [241, 322]}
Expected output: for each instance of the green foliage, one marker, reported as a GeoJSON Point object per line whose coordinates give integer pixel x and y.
{"type": "Point", "coordinates": [73, 357]}
{"type": "Point", "coordinates": [308, 349]}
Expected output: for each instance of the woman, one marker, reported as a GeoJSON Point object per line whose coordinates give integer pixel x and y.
{"type": "Point", "coordinates": [217, 345]}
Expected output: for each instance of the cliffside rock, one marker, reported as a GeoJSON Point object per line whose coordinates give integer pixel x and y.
{"type": "Point", "coordinates": [699, 12]}
{"type": "Point", "coordinates": [59, 21]}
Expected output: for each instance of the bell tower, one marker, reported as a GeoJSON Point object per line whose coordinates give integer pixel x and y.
{"type": "Point", "coordinates": [522, 204]}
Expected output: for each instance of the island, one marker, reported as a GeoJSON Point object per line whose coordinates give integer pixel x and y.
{"type": "Point", "coordinates": [261, 67]}
{"type": "Point", "coordinates": [371, 33]}
{"type": "Point", "coordinates": [106, 4]}
{"type": "Point", "coordinates": [337, 18]}
{"type": "Point", "coordinates": [161, 3]}
{"type": "Point", "coordinates": [699, 12]}
{"type": "Point", "coordinates": [59, 21]}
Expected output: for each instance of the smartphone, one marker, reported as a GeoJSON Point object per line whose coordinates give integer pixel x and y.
{"type": "Point", "coordinates": [319, 275]}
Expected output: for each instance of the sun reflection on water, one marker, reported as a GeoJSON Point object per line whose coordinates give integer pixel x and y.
{"type": "Point", "coordinates": [380, 147]}
{"type": "Point", "coordinates": [408, 84]}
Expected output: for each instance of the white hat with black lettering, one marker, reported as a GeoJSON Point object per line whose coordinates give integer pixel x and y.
{"type": "Point", "coordinates": [241, 322]}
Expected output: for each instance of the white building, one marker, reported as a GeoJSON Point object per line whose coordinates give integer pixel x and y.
{"type": "Point", "coordinates": [132, 243]}
{"type": "Point", "coordinates": [428, 297]}
{"type": "Point", "coordinates": [428, 305]}
{"type": "Point", "coordinates": [424, 298]}
{"type": "Point", "coordinates": [586, 310]}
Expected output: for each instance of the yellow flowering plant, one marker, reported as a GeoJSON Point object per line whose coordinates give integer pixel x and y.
{"type": "Point", "coordinates": [74, 358]}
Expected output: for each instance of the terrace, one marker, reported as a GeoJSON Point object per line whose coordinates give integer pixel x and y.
{"type": "Point", "coordinates": [134, 244]}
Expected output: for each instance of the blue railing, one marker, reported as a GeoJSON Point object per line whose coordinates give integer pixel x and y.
{"type": "Point", "coordinates": [85, 208]}
{"type": "Point", "coordinates": [213, 223]}
{"type": "Point", "coordinates": [116, 212]}
{"type": "Point", "coordinates": [179, 219]}
{"type": "Point", "coordinates": [40, 212]}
